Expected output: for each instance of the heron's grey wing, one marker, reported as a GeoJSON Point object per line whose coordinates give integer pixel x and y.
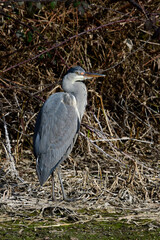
{"type": "Point", "coordinates": [55, 133]}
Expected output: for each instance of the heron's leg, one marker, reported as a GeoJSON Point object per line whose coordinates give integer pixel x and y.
{"type": "Point", "coordinates": [65, 198]}
{"type": "Point", "coordinates": [53, 195]}
{"type": "Point", "coordinates": [60, 179]}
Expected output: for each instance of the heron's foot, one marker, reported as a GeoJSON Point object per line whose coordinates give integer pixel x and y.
{"type": "Point", "coordinates": [70, 199]}
{"type": "Point", "coordinates": [54, 198]}
{"type": "Point", "coordinates": [67, 199]}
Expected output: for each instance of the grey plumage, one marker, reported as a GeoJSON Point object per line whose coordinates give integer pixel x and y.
{"type": "Point", "coordinates": [58, 123]}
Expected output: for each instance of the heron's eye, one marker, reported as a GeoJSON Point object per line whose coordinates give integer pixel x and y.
{"type": "Point", "coordinates": [80, 73]}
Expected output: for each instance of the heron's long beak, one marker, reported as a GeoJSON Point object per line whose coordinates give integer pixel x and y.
{"type": "Point", "coordinates": [91, 75]}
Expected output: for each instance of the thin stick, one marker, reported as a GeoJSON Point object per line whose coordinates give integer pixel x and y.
{"type": "Point", "coordinates": [56, 45]}
{"type": "Point", "coordinates": [8, 148]}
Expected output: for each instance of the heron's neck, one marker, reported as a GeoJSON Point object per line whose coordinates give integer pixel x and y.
{"type": "Point", "coordinates": [79, 90]}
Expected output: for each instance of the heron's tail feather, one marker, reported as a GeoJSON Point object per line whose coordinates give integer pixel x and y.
{"type": "Point", "coordinates": [42, 171]}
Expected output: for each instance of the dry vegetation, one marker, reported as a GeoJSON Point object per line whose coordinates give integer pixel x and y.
{"type": "Point", "coordinates": [115, 162]}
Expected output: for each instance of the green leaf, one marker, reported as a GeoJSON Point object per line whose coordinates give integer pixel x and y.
{"type": "Point", "coordinates": [29, 36]}
{"type": "Point", "coordinates": [88, 133]}
{"type": "Point", "coordinates": [53, 4]}
{"type": "Point", "coordinates": [76, 4]}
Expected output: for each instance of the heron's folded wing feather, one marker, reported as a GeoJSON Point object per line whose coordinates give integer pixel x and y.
{"type": "Point", "coordinates": [58, 126]}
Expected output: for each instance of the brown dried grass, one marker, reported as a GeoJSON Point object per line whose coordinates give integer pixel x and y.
{"type": "Point", "coordinates": [116, 158]}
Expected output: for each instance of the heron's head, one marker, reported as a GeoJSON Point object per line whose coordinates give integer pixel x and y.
{"type": "Point", "coordinates": [77, 74]}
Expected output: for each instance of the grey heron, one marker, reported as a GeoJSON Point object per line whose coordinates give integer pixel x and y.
{"type": "Point", "coordinates": [58, 124]}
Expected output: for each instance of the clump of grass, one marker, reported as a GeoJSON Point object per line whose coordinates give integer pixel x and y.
{"type": "Point", "coordinates": [116, 156]}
